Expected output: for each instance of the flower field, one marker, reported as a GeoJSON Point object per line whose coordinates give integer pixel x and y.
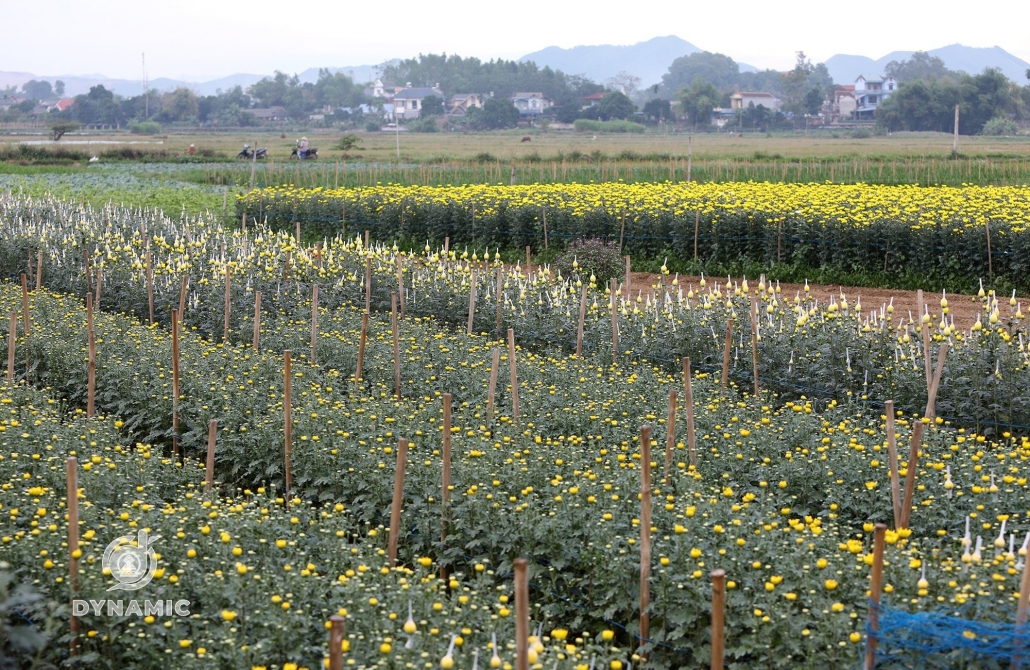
{"type": "Point", "coordinates": [781, 490]}
{"type": "Point", "coordinates": [936, 233]}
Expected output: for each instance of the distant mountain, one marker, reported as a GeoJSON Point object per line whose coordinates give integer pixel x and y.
{"type": "Point", "coordinates": [845, 69]}
{"type": "Point", "coordinates": [648, 60]}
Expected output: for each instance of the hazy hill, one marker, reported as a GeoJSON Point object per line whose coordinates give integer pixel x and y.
{"type": "Point", "coordinates": [845, 68]}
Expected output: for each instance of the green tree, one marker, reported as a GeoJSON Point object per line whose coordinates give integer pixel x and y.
{"type": "Point", "coordinates": [698, 101]}
{"type": "Point", "coordinates": [919, 65]}
{"type": "Point", "coordinates": [615, 105]}
{"type": "Point", "coordinates": [657, 109]}
{"type": "Point", "coordinates": [37, 90]}
{"type": "Point", "coordinates": [494, 114]}
{"type": "Point", "coordinates": [432, 106]}
{"type": "Point", "coordinates": [719, 70]}
{"type": "Point", "coordinates": [337, 90]}
{"type": "Point", "coordinates": [98, 107]}
{"type": "Point", "coordinates": [814, 100]}
{"type": "Point", "coordinates": [59, 87]}
{"type": "Point", "coordinates": [59, 128]}
{"type": "Point", "coordinates": [179, 105]}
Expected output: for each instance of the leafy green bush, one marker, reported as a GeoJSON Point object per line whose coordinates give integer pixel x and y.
{"type": "Point", "coordinates": [586, 126]}
{"type": "Point", "coordinates": [348, 142]}
{"type": "Point", "coordinates": [591, 256]}
{"type": "Point", "coordinates": [427, 125]}
{"type": "Point", "coordinates": [145, 128]}
{"type": "Point", "coordinates": [1000, 125]}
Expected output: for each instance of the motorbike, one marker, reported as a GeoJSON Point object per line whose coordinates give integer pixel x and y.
{"type": "Point", "coordinates": [262, 152]}
{"type": "Point", "coordinates": [310, 155]}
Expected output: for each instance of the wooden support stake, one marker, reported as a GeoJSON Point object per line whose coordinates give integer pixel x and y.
{"type": "Point", "coordinates": [892, 453]}
{"type": "Point", "coordinates": [726, 354]}
{"type": "Point", "coordinates": [396, 346]}
{"type": "Point", "coordinates": [212, 433]}
{"type": "Point", "coordinates": [175, 383]}
{"type": "Point", "coordinates": [73, 544]}
{"type": "Point", "coordinates": [622, 230]}
{"type": "Point", "coordinates": [627, 282]}
{"type": "Point", "coordinates": [39, 271]}
{"type": "Point", "coordinates": [527, 259]}
{"type": "Point", "coordinates": [89, 276]}
{"type": "Point", "coordinates": [182, 298]}
{"type": "Point", "coordinates": [491, 391]}
{"type": "Point", "coordinates": [582, 320]}
{"type": "Point", "coordinates": [256, 343]}
{"type": "Point", "coordinates": [1022, 610]}
{"type": "Point", "coordinates": [670, 434]}
{"type": "Point", "coordinates": [359, 372]}
{"type": "Point", "coordinates": [910, 475]}
{"type": "Point", "coordinates": [366, 239]}
{"type": "Point", "coordinates": [100, 279]}
{"type": "Point", "coordinates": [754, 340]}
{"type": "Point", "coordinates": [645, 533]}
{"type": "Point", "coordinates": [446, 493]}
{"type": "Point", "coordinates": [288, 422]}
{"type": "Point", "coordinates": [688, 400]}
{"type": "Point", "coordinates": [368, 283]}
{"type": "Point", "coordinates": [543, 214]}
{"type": "Point", "coordinates": [521, 614]}
{"type": "Point", "coordinates": [91, 370]}
{"type": "Point", "coordinates": [298, 232]}
{"type": "Point", "coordinates": [336, 642]}
{"type": "Point", "coordinates": [27, 326]}
{"type": "Point", "coordinates": [150, 288]}
{"type": "Point", "coordinates": [514, 376]}
{"type": "Point", "coordinates": [875, 590]}
{"type": "Point", "coordinates": [718, 617]}
{"type": "Point", "coordinates": [990, 264]}
{"type": "Point", "coordinates": [228, 293]}
{"type": "Point", "coordinates": [925, 329]}
{"type": "Point", "coordinates": [12, 337]}
{"type": "Point", "coordinates": [314, 323]}
{"type": "Point", "coordinates": [400, 284]}
{"type": "Point", "coordinates": [931, 399]}
{"type": "Point", "coordinates": [697, 226]}
{"type": "Point", "coordinates": [612, 291]}
{"type": "Point", "coordinates": [472, 302]}
{"type": "Point", "coordinates": [398, 500]}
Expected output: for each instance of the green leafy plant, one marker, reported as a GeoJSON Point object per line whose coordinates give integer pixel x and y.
{"type": "Point", "coordinates": [591, 257]}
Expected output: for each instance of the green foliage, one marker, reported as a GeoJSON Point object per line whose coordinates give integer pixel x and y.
{"type": "Point", "coordinates": [37, 90]}
{"type": "Point", "coordinates": [145, 128]}
{"type": "Point", "coordinates": [495, 114]}
{"type": "Point", "coordinates": [919, 65]}
{"type": "Point", "coordinates": [657, 109]}
{"type": "Point", "coordinates": [432, 106]}
{"type": "Point", "coordinates": [615, 105]}
{"type": "Point", "coordinates": [427, 125]}
{"type": "Point", "coordinates": [720, 71]}
{"type": "Point", "coordinates": [591, 256]}
{"type": "Point", "coordinates": [930, 105]}
{"type": "Point", "coordinates": [348, 142]}
{"type": "Point", "coordinates": [588, 125]}
{"type": "Point", "coordinates": [1000, 125]}
{"type": "Point", "coordinates": [59, 128]}
{"type": "Point", "coordinates": [698, 101]}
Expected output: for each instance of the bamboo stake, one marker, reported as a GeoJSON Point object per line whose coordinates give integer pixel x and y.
{"type": "Point", "coordinates": [718, 617]}
{"type": "Point", "coordinates": [615, 320]}
{"type": "Point", "coordinates": [754, 340]}
{"type": "Point", "coordinates": [27, 327]}
{"type": "Point", "coordinates": [212, 432]}
{"type": "Point", "coordinates": [924, 328]}
{"type": "Point", "coordinates": [288, 421]}
{"type": "Point", "coordinates": [492, 389]}
{"type": "Point", "coordinates": [12, 336]}
{"type": "Point", "coordinates": [688, 400]}
{"type": "Point", "coordinates": [910, 475]}
{"type": "Point", "coordinates": [398, 499]}
{"type": "Point", "coordinates": [514, 376]}
{"type": "Point", "coordinates": [368, 282]}
{"type": "Point", "coordinates": [182, 299]}
{"type": "Point", "coordinates": [314, 323]}
{"type": "Point", "coordinates": [150, 288]}
{"type": "Point", "coordinates": [366, 239]}
{"type": "Point", "coordinates": [990, 264]}
{"type": "Point", "coordinates": [91, 371]}
{"type": "Point", "coordinates": [361, 349]}
{"type": "Point", "coordinates": [527, 258]}
{"type": "Point", "coordinates": [400, 284]}
{"type": "Point", "coordinates": [100, 278]}
{"type": "Point", "coordinates": [396, 346]}
{"type": "Point", "coordinates": [892, 451]}
{"type": "Point", "coordinates": [626, 283]}
{"type": "Point", "coordinates": [336, 642]}
{"type": "Point", "coordinates": [228, 290]}
{"type": "Point", "coordinates": [645, 533]}
{"type": "Point", "coordinates": [622, 230]}
{"type": "Point", "coordinates": [543, 214]}
{"type": "Point", "coordinates": [697, 225]}
{"type": "Point", "coordinates": [446, 494]}
{"type": "Point", "coordinates": [521, 614]}
{"type": "Point", "coordinates": [256, 343]}
{"type": "Point", "coordinates": [39, 270]}
{"type": "Point", "coordinates": [582, 319]}
{"type": "Point", "coordinates": [497, 301]}
{"type": "Point", "coordinates": [175, 383]}
{"type": "Point", "coordinates": [931, 400]}
{"type": "Point", "coordinates": [73, 544]}
{"type": "Point", "coordinates": [472, 302]}
{"type": "Point", "coordinates": [726, 354]}
{"type": "Point", "coordinates": [876, 587]}
{"type": "Point", "coordinates": [89, 277]}
{"type": "Point", "coordinates": [670, 435]}
{"type": "Point", "coordinates": [1022, 611]}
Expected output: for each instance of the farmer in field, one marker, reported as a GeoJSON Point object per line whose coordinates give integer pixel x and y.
{"type": "Point", "coordinates": [302, 147]}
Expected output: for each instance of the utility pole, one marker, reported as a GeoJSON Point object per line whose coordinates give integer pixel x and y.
{"type": "Point", "coordinates": [954, 141]}
{"type": "Point", "coordinates": [397, 131]}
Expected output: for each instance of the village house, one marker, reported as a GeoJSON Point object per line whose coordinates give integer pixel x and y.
{"type": "Point", "coordinates": [740, 101]}
{"type": "Point", "coordinates": [592, 100]}
{"type": "Point", "coordinates": [530, 103]}
{"type": "Point", "coordinates": [267, 113]}
{"type": "Point", "coordinates": [844, 102]}
{"type": "Point", "coordinates": [461, 103]}
{"type": "Point", "coordinates": [870, 92]}
{"type": "Point", "coordinates": [407, 103]}
{"type": "Point", "coordinates": [381, 89]}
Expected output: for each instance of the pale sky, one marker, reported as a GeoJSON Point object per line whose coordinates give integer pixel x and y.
{"type": "Point", "coordinates": [199, 40]}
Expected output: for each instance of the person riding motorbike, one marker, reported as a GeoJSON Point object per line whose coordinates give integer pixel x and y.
{"type": "Point", "coordinates": [302, 148]}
